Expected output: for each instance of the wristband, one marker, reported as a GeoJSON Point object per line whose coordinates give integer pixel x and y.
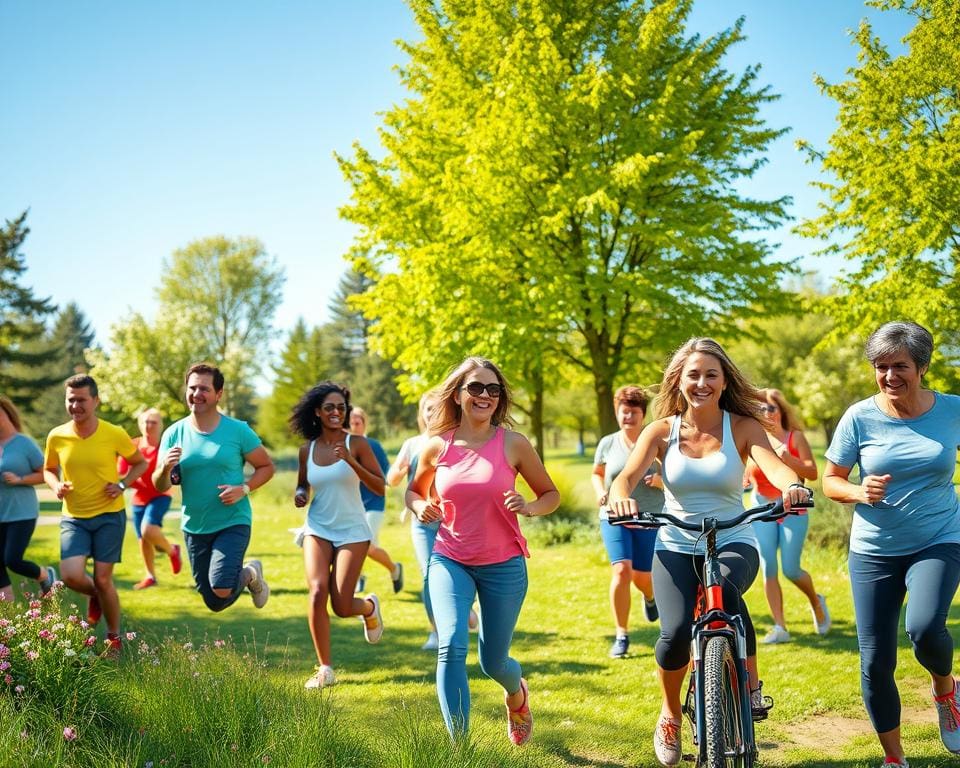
{"type": "Point", "coordinates": [246, 489]}
{"type": "Point", "coordinates": [796, 485]}
{"type": "Point", "coordinates": [121, 485]}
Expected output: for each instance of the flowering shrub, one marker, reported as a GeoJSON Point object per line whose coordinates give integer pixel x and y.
{"type": "Point", "coordinates": [47, 657]}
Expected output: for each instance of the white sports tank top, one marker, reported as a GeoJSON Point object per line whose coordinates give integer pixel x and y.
{"type": "Point", "coordinates": [336, 503]}
{"type": "Point", "coordinates": [694, 489]}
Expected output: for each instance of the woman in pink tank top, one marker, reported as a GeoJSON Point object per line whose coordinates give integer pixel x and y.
{"type": "Point", "coordinates": [466, 479]}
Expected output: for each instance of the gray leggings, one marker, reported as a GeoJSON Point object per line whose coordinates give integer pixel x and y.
{"type": "Point", "coordinates": [675, 580]}
{"type": "Point", "coordinates": [880, 585]}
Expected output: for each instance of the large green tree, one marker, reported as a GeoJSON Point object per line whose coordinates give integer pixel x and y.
{"type": "Point", "coordinates": [562, 185]}
{"type": "Point", "coordinates": [217, 301]}
{"type": "Point", "coordinates": [892, 193]}
{"type": "Point", "coordinates": [22, 317]}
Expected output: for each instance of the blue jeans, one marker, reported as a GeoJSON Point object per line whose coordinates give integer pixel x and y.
{"type": "Point", "coordinates": [500, 588]}
{"type": "Point", "coordinates": [423, 535]}
{"type": "Point", "coordinates": [879, 586]}
{"type": "Point", "coordinates": [216, 560]}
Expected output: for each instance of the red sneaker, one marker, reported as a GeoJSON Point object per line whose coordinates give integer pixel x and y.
{"type": "Point", "coordinates": [176, 562]}
{"type": "Point", "coordinates": [94, 611]}
{"type": "Point", "coordinates": [144, 583]}
{"type": "Point", "coordinates": [520, 721]}
{"type": "Point", "coordinates": [112, 646]}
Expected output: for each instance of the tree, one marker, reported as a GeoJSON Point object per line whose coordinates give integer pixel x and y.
{"type": "Point", "coordinates": [561, 187]}
{"type": "Point", "coordinates": [894, 163]}
{"type": "Point", "coordinates": [217, 301]}
{"type": "Point", "coordinates": [21, 321]}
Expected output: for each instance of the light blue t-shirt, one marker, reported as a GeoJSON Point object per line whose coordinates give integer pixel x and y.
{"type": "Point", "coordinates": [374, 502]}
{"type": "Point", "coordinates": [920, 455]}
{"type": "Point", "coordinates": [613, 453]}
{"type": "Point", "coordinates": [207, 461]}
{"type": "Point", "coordinates": [22, 457]}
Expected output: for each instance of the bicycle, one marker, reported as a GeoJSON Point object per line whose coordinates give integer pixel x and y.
{"type": "Point", "coordinates": [718, 701]}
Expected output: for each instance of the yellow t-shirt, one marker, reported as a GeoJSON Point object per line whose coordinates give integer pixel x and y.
{"type": "Point", "coordinates": [89, 463]}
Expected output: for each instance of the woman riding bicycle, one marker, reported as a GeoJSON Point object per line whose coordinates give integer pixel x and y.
{"type": "Point", "coordinates": [708, 424]}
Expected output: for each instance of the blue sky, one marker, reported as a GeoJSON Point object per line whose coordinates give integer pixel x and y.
{"type": "Point", "coordinates": [132, 128]}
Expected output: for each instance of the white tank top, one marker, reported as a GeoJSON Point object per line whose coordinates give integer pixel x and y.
{"type": "Point", "coordinates": [336, 503]}
{"type": "Point", "coordinates": [694, 489]}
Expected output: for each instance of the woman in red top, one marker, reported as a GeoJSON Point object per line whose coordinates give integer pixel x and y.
{"type": "Point", "coordinates": [149, 504]}
{"type": "Point", "coordinates": [785, 434]}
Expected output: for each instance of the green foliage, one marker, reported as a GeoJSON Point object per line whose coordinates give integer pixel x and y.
{"type": "Point", "coordinates": [895, 163]}
{"type": "Point", "coordinates": [21, 320]}
{"type": "Point", "coordinates": [217, 301]}
{"type": "Point", "coordinates": [561, 184]}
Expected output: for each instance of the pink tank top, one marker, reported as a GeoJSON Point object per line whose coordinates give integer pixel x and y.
{"type": "Point", "coordinates": [477, 529]}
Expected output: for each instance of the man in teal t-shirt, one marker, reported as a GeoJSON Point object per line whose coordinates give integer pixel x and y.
{"type": "Point", "coordinates": [209, 450]}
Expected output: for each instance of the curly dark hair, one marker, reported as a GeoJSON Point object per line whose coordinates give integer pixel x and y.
{"type": "Point", "coordinates": [303, 419]}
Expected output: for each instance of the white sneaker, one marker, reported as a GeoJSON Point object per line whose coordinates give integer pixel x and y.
{"type": "Point", "coordinates": [822, 627]}
{"type": "Point", "coordinates": [258, 586]}
{"type": "Point", "coordinates": [948, 712]}
{"type": "Point", "coordinates": [373, 624]}
{"type": "Point", "coordinates": [776, 635]}
{"type": "Point", "coordinates": [322, 677]}
{"type": "Point", "coordinates": [666, 741]}
{"type": "Point", "coordinates": [433, 642]}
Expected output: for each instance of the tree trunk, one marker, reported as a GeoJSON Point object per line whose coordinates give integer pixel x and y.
{"type": "Point", "coordinates": [536, 411]}
{"type": "Point", "coordinates": [606, 417]}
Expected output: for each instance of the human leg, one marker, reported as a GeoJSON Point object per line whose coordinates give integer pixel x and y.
{"type": "Point", "coordinates": [377, 553]}
{"type": "Point", "coordinates": [879, 588]}
{"type": "Point", "coordinates": [501, 588]}
{"type": "Point", "coordinates": [6, 588]}
{"type": "Point", "coordinates": [793, 534]}
{"type": "Point", "coordinates": [14, 546]}
{"type": "Point", "coordinates": [347, 564]}
{"type": "Point", "coordinates": [107, 532]}
{"type": "Point", "coordinates": [768, 539]}
{"type": "Point", "coordinates": [675, 586]}
{"type": "Point", "coordinates": [107, 595]}
{"type": "Point", "coordinates": [152, 533]}
{"type": "Point", "coordinates": [317, 560]}
{"type": "Point", "coordinates": [643, 541]}
{"type": "Point", "coordinates": [452, 589]}
{"type": "Point", "coordinates": [619, 552]}
{"type": "Point", "coordinates": [739, 563]}
{"type": "Point", "coordinates": [423, 536]}
{"type": "Point", "coordinates": [228, 576]}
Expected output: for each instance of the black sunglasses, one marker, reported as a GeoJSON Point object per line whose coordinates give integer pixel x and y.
{"type": "Point", "coordinates": [768, 408]}
{"type": "Point", "coordinates": [476, 389]}
{"type": "Point", "coordinates": [331, 407]}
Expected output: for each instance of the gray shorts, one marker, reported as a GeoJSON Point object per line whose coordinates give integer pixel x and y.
{"type": "Point", "coordinates": [99, 537]}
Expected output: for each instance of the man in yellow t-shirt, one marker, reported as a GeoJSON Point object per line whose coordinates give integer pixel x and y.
{"type": "Point", "coordinates": [80, 466]}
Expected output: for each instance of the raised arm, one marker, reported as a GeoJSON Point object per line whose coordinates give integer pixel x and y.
{"type": "Point", "coordinates": [417, 497]}
{"type": "Point", "coordinates": [649, 446]}
{"type": "Point", "coordinates": [524, 458]}
{"type": "Point", "coordinates": [838, 487]}
{"type": "Point", "coordinates": [803, 464]}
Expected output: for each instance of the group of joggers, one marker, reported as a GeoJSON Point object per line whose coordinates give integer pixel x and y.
{"type": "Point", "coordinates": [711, 434]}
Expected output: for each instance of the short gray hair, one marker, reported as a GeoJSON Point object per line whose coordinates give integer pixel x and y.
{"type": "Point", "coordinates": [899, 335]}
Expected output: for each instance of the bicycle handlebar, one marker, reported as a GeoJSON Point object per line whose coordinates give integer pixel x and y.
{"type": "Point", "coordinates": [768, 512]}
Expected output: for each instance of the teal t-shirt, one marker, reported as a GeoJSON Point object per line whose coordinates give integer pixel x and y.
{"type": "Point", "coordinates": [22, 457]}
{"type": "Point", "coordinates": [921, 507]}
{"type": "Point", "coordinates": [208, 461]}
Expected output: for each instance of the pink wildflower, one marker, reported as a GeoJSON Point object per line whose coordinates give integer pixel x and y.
{"type": "Point", "coordinates": [70, 733]}
{"type": "Point", "coordinates": [90, 641]}
{"type": "Point", "coordinates": [131, 635]}
{"type": "Point", "coordinates": [4, 651]}
{"type": "Point", "coordinates": [219, 644]}
{"type": "Point", "coordinates": [19, 689]}
{"type": "Point", "coordinates": [4, 665]}
{"type": "Point", "coordinates": [8, 679]}
{"type": "Point", "coordinates": [33, 655]}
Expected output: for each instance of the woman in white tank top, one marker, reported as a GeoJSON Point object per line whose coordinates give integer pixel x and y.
{"type": "Point", "coordinates": [332, 465]}
{"type": "Point", "coordinates": [707, 425]}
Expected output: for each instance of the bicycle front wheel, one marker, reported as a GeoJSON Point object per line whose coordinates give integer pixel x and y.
{"type": "Point", "coordinates": [726, 741]}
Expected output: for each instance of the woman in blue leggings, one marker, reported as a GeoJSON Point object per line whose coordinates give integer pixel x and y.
{"type": "Point", "coordinates": [906, 527]}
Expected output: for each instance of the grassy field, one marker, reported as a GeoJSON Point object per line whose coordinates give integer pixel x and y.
{"type": "Point", "coordinates": [246, 706]}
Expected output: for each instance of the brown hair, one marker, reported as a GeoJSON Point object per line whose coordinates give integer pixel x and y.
{"type": "Point", "coordinates": [447, 411]}
{"type": "Point", "coordinates": [205, 369]}
{"type": "Point", "coordinates": [789, 419]}
{"type": "Point", "coordinates": [631, 395]}
{"type": "Point", "coordinates": [80, 381]}
{"type": "Point", "coordinates": [12, 413]}
{"type": "Point", "coordinates": [739, 395]}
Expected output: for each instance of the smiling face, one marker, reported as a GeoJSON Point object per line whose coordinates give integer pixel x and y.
{"type": "Point", "coordinates": [81, 405]}
{"type": "Point", "coordinates": [702, 381]}
{"type": "Point", "coordinates": [898, 377]}
{"type": "Point", "coordinates": [151, 425]}
{"type": "Point", "coordinates": [480, 407]}
{"type": "Point", "coordinates": [202, 398]}
{"type": "Point", "coordinates": [332, 412]}
{"type": "Point", "coordinates": [629, 417]}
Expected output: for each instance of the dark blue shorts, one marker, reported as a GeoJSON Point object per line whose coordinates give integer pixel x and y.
{"type": "Point", "coordinates": [152, 513]}
{"type": "Point", "coordinates": [632, 544]}
{"type": "Point", "coordinates": [99, 537]}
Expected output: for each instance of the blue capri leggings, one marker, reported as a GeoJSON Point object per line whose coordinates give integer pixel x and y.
{"type": "Point", "coordinates": [879, 585]}
{"type": "Point", "coordinates": [500, 588]}
{"type": "Point", "coordinates": [787, 536]}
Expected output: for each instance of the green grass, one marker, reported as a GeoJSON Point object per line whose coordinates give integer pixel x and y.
{"type": "Point", "coordinates": [243, 705]}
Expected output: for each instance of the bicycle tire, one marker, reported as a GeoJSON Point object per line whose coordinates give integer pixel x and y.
{"type": "Point", "coordinates": [726, 743]}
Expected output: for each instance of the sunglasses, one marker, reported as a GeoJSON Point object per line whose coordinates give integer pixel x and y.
{"type": "Point", "coordinates": [768, 408]}
{"type": "Point", "coordinates": [331, 407]}
{"type": "Point", "coordinates": [475, 388]}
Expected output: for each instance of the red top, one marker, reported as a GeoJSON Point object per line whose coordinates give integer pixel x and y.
{"type": "Point", "coordinates": [765, 487]}
{"type": "Point", "coordinates": [144, 491]}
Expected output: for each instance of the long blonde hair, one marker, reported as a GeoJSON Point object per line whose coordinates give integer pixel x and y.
{"type": "Point", "coordinates": [738, 396]}
{"type": "Point", "coordinates": [447, 411]}
{"type": "Point", "coordinates": [789, 419]}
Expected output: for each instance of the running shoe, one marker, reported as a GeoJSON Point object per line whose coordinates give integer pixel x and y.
{"type": "Point", "coordinates": [948, 712]}
{"type": "Point", "coordinates": [822, 627]}
{"type": "Point", "coordinates": [666, 741]}
{"type": "Point", "coordinates": [149, 581]}
{"type": "Point", "coordinates": [650, 612]}
{"type": "Point", "coordinates": [258, 586]}
{"type": "Point", "coordinates": [433, 642]}
{"type": "Point", "coordinates": [760, 705]}
{"type": "Point", "coordinates": [519, 720]}
{"type": "Point", "coordinates": [892, 761]}
{"type": "Point", "coordinates": [176, 561]}
{"type": "Point", "coordinates": [322, 677]}
{"type": "Point", "coordinates": [373, 624]}
{"type": "Point", "coordinates": [112, 646]}
{"type": "Point", "coordinates": [776, 635]}
{"type": "Point", "coordinates": [397, 578]}
{"type": "Point", "coordinates": [94, 611]}
{"type": "Point", "coordinates": [48, 580]}
{"type": "Point", "coordinates": [620, 647]}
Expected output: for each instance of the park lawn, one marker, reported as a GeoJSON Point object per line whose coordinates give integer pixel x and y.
{"type": "Point", "coordinates": [589, 710]}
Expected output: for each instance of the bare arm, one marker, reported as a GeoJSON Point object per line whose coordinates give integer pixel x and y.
{"type": "Point", "coordinates": [400, 467]}
{"type": "Point", "coordinates": [362, 460]}
{"type": "Point", "coordinates": [263, 470]}
{"type": "Point", "coordinates": [524, 458]}
{"type": "Point", "coordinates": [649, 446]}
{"type": "Point", "coordinates": [302, 495]}
{"type": "Point", "coordinates": [161, 475]}
{"type": "Point", "coordinates": [417, 497]}
{"type": "Point", "coordinates": [596, 480]}
{"type": "Point", "coordinates": [34, 478]}
{"type": "Point", "coordinates": [137, 465]}
{"type": "Point", "coordinates": [803, 464]}
{"type": "Point", "coordinates": [837, 486]}
{"type": "Point", "coordinates": [759, 449]}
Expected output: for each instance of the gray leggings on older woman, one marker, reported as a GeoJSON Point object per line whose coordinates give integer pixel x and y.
{"type": "Point", "coordinates": [880, 585]}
